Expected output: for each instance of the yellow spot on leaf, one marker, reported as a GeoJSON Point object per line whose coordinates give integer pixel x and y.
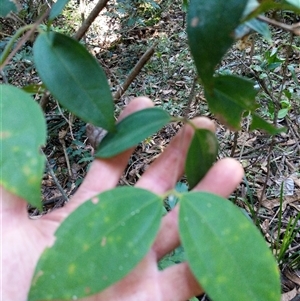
{"type": "Point", "coordinates": [33, 162]}
{"type": "Point", "coordinates": [103, 241]}
{"type": "Point", "coordinates": [71, 269]}
{"type": "Point", "coordinates": [86, 247]}
{"type": "Point", "coordinates": [32, 180]}
{"type": "Point", "coordinates": [236, 238]}
{"type": "Point", "coordinates": [204, 281]}
{"type": "Point", "coordinates": [26, 170]}
{"type": "Point", "coordinates": [15, 149]}
{"type": "Point", "coordinates": [244, 226]}
{"type": "Point", "coordinates": [225, 231]}
{"type": "Point", "coordinates": [221, 279]}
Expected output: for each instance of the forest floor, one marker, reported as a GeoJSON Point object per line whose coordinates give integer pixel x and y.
{"type": "Point", "coordinates": [270, 163]}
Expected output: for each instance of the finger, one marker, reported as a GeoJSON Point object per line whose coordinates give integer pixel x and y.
{"type": "Point", "coordinates": [12, 207]}
{"type": "Point", "coordinates": [178, 283]}
{"type": "Point", "coordinates": [104, 174]}
{"type": "Point", "coordinates": [221, 179]}
{"type": "Point", "coordinates": [163, 173]}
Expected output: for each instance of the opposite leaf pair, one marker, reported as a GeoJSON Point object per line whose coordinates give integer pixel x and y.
{"type": "Point", "coordinates": [116, 229]}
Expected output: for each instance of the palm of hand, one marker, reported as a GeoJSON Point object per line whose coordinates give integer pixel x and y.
{"type": "Point", "coordinates": [24, 240]}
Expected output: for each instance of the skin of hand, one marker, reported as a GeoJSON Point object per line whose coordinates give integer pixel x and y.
{"type": "Point", "coordinates": [23, 240]}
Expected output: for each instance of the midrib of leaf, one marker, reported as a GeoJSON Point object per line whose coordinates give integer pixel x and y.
{"type": "Point", "coordinates": [60, 59]}
{"type": "Point", "coordinates": [113, 228]}
{"type": "Point", "coordinates": [125, 219]}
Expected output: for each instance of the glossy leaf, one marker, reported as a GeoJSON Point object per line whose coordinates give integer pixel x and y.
{"type": "Point", "coordinates": [259, 123]}
{"type": "Point", "coordinates": [226, 252]}
{"type": "Point", "coordinates": [23, 132]}
{"type": "Point", "coordinates": [131, 130]}
{"type": "Point", "coordinates": [267, 5]}
{"type": "Point", "coordinates": [57, 8]}
{"type": "Point", "coordinates": [98, 244]}
{"type": "Point", "coordinates": [74, 78]}
{"type": "Point", "coordinates": [250, 7]}
{"type": "Point", "coordinates": [295, 3]}
{"type": "Point", "coordinates": [253, 25]}
{"type": "Point", "coordinates": [261, 28]}
{"type": "Point", "coordinates": [6, 7]}
{"type": "Point", "coordinates": [231, 96]}
{"type": "Point", "coordinates": [201, 155]}
{"type": "Point", "coordinates": [210, 28]}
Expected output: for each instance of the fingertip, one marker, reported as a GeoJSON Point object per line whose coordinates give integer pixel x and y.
{"type": "Point", "coordinates": [222, 178]}
{"type": "Point", "coordinates": [136, 104]}
{"type": "Point", "coordinates": [143, 100]}
{"type": "Point", "coordinates": [204, 123]}
{"type": "Point", "coordinates": [234, 168]}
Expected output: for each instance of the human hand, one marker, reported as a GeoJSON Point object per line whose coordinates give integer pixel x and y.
{"type": "Point", "coordinates": [24, 240]}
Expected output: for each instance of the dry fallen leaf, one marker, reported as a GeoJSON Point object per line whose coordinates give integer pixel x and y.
{"type": "Point", "coordinates": [289, 295]}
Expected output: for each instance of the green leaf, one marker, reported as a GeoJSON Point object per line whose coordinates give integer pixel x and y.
{"type": "Point", "coordinates": [259, 123]}
{"type": "Point", "coordinates": [57, 8]}
{"type": "Point", "coordinates": [251, 6]}
{"type": "Point", "coordinates": [74, 78]}
{"type": "Point", "coordinates": [228, 102]}
{"type": "Point", "coordinates": [201, 155]}
{"type": "Point", "coordinates": [283, 112]}
{"type": "Point", "coordinates": [131, 130]}
{"type": "Point", "coordinates": [210, 28]}
{"type": "Point", "coordinates": [260, 27]}
{"type": "Point", "coordinates": [23, 132]}
{"type": "Point", "coordinates": [6, 7]}
{"type": "Point", "coordinates": [175, 257]}
{"type": "Point", "coordinates": [295, 3]}
{"type": "Point", "coordinates": [267, 5]}
{"type": "Point", "coordinates": [34, 89]}
{"type": "Point", "coordinates": [226, 253]}
{"type": "Point", "coordinates": [98, 244]}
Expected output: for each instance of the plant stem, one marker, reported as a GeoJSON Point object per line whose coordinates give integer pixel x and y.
{"type": "Point", "coordinates": [90, 19]}
{"type": "Point", "coordinates": [135, 71]}
{"type": "Point", "coordinates": [6, 56]}
{"type": "Point", "coordinates": [10, 44]}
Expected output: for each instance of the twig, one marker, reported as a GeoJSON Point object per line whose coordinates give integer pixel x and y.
{"type": "Point", "coordinates": [44, 100]}
{"type": "Point", "coordinates": [284, 70]}
{"type": "Point", "coordinates": [64, 195]}
{"type": "Point", "coordinates": [294, 28]}
{"type": "Point", "coordinates": [135, 71]}
{"type": "Point", "coordinates": [24, 39]}
{"type": "Point", "coordinates": [191, 97]}
{"type": "Point", "coordinates": [90, 19]}
{"type": "Point", "coordinates": [69, 122]}
{"type": "Point", "coordinates": [235, 140]}
{"type": "Point", "coordinates": [61, 137]}
{"type": "Point", "coordinates": [13, 16]}
{"type": "Point", "coordinates": [243, 146]}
